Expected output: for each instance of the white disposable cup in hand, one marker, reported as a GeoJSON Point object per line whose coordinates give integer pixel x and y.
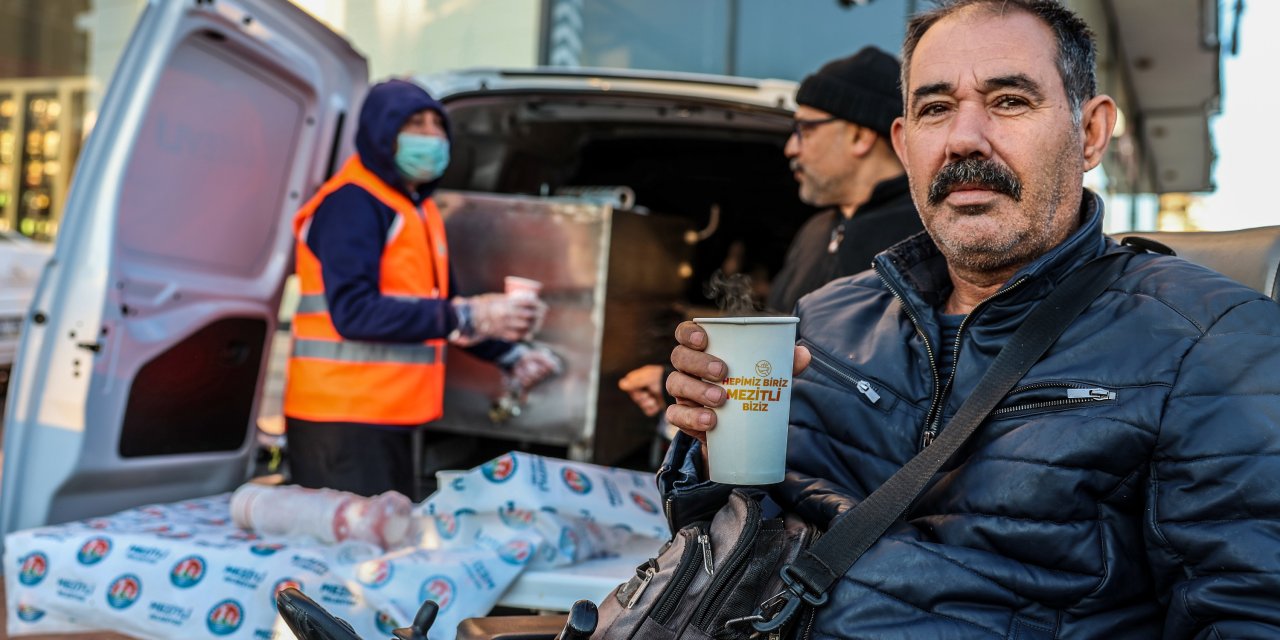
{"type": "Point", "coordinates": [749, 442]}
{"type": "Point", "coordinates": [518, 287]}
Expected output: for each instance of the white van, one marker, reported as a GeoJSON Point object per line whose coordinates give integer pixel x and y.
{"type": "Point", "coordinates": [144, 355]}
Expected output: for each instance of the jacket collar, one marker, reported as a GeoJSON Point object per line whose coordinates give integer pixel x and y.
{"type": "Point", "coordinates": [916, 269]}
{"type": "Point", "coordinates": [886, 191]}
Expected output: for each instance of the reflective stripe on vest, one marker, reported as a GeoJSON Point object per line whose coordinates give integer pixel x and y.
{"type": "Point", "coordinates": [316, 303]}
{"type": "Point", "coordinates": [364, 352]}
{"type": "Point", "coordinates": [312, 304]}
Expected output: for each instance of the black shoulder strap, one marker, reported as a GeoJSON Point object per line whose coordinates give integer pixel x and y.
{"type": "Point", "coordinates": [854, 531]}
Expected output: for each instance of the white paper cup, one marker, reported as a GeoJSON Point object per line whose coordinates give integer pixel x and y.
{"type": "Point", "coordinates": [749, 442]}
{"type": "Point", "coordinates": [518, 287]}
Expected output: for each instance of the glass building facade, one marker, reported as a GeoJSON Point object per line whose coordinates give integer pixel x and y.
{"type": "Point", "coordinates": [57, 56]}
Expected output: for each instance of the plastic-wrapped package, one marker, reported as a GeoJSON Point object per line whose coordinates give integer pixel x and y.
{"type": "Point", "coordinates": [577, 511]}
{"type": "Point", "coordinates": [185, 570]}
{"type": "Point", "coordinates": [608, 496]}
{"type": "Point", "coordinates": [325, 515]}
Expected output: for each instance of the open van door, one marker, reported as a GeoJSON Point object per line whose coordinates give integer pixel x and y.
{"type": "Point", "coordinates": [145, 348]}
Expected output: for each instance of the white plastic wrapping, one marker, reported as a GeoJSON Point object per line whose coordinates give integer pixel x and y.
{"type": "Point", "coordinates": [325, 515]}
{"type": "Point", "coordinates": [185, 570]}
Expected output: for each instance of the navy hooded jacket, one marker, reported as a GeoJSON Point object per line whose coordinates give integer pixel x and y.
{"type": "Point", "coordinates": [349, 228]}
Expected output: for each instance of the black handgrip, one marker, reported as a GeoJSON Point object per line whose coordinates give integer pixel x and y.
{"type": "Point", "coordinates": [310, 621]}
{"type": "Point", "coordinates": [582, 621]}
{"type": "Point", "coordinates": [421, 623]}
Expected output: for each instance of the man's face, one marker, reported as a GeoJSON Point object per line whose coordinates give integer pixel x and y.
{"type": "Point", "coordinates": [988, 141]}
{"type": "Point", "coordinates": [424, 123]}
{"type": "Point", "coordinates": [821, 157]}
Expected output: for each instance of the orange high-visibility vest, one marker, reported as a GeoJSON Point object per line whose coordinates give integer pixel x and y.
{"type": "Point", "coordinates": [333, 379]}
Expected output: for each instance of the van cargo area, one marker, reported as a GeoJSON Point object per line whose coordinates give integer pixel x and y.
{"type": "Point", "coordinates": [648, 198]}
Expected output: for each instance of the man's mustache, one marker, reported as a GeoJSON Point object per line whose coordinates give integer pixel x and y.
{"type": "Point", "coordinates": [974, 172]}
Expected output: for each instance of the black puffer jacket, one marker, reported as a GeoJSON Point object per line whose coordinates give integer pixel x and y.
{"type": "Point", "coordinates": [886, 218]}
{"type": "Point", "coordinates": [1128, 488]}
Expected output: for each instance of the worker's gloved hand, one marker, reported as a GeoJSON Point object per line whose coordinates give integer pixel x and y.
{"type": "Point", "coordinates": [536, 364]}
{"type": "Point", "coordinates": [496, 316]}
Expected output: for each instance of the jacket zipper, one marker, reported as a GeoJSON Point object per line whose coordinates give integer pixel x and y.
{"type": "Point", "coordinates": [926, 438]}
{"type": "Point", "coordinates": [667, 507]}
{"type": "Point", "coordinates": [861, 386]}
{"type": "Point", "coordinates": [1075, 395]}
{"type": "Point", "coordinates": [934, 417]}
{"type": "Point", "coordinates": [808, 624]}
{"type": "Point", "coordinates": [731, 568]}
{"type": "Point", "coordinates": [935, 422]}
{"type": "Point", "coordinates": [690, 562]}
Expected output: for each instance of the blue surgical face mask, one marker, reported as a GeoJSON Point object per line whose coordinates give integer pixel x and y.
{"type": "Point", "coordinates": [421, 158]}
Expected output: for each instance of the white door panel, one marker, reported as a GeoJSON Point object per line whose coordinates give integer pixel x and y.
{"type": "Point", "coordinates": [144, 351]}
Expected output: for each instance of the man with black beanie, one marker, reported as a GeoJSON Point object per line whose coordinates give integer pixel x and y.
{"type": "Point", "coordinates": [841, 155]}
{"type": "Point", "coordinates": [842, 158]}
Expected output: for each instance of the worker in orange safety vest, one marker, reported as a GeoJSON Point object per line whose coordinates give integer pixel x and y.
{"type": "Point", "coordinates": [378, 306]}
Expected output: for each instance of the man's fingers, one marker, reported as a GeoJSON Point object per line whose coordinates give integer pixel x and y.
{"type": "Point", "coordinates": [695, 421]}
{"type": "Point", "coordinates": [801, 360]}
{"type": "Point", "coordinates": [697, 363]}
{"type": "Point", "coordinates": [694, 391]}
{"type": "Point", "coordinates": [691, 335]}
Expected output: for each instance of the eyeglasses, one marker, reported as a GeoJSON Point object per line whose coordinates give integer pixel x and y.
{"type": "Point", "coordinates": [800, 127]}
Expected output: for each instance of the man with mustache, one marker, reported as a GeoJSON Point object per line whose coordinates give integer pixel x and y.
{"type": "Point", "coordinates": [843, 159]}
{"type": "Point", "coordinates": [1127, 486]}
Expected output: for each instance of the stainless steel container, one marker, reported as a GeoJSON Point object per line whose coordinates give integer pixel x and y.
{"type": "Point", "coordinates": [613, 280]}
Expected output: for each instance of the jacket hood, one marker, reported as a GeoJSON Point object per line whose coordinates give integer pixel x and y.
{"type": "Point", "coordinates": [386, 108]}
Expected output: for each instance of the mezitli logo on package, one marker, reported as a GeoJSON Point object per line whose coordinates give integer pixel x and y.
{"type": "Point", "coordinates": [34, 567]}
{"type": "Point", "coordinates": [385, 623]}
{"type": "Point", "coordinates": [438, 589]}
{"type": "Point", "coordinates": [94, 550]}
{"type": "Point", "coordinates": [447, 525]}
{"type": "Point", "coordinates": [124, 591]}
{"type": "Point", "coordinates": [375, 573]}
{"type": "Point", "coordinates": [644, 503]}
{"type": "Point", "coordinates": [28, 613]}
{"type": "Point", "coordinates": [500, 469]}
{"type": "Point", "coordinates": [225, 617]}
{"type": "Point", "coordinates": [577, 481]}
{"type": "Point", "coordinates": [516, 552]}
{"type": "Point", "coordinates": [187, 572]}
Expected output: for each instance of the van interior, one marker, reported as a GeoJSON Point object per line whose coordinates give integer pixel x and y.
{"type": "Point", "coordinates": [719, 166]}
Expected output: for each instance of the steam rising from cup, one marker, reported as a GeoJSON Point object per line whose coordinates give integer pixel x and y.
{"type": "Point", "coordinates": [732, 293]}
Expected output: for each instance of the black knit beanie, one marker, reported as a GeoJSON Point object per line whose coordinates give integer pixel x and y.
{"type": "Point", "coordinates": [862, 88]}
